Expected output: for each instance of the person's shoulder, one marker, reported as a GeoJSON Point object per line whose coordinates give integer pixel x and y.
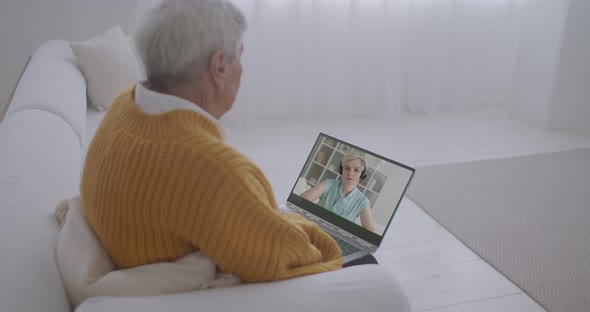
{"type": "Point", "coordinates": [217, 151]}
{"type": "Point", "coordinates": [331, 182]}
{"type": "Point", "coordinates": [204, 143]}
{"type": "Point", "coordinates": [365, 200]}
{"type": "Point", "coordinates": [359, 195]}
{"type": "Point", "coordinates": [214, 155]}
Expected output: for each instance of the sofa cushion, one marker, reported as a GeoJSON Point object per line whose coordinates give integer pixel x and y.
{"type": "Point", "coordinates": [39, 166]}
{"type": "Point", "coordinates": [109, 65]}
{"type": "Point", "coordinates": [359, 288]}
{"type": "Point", "coordinates": [53, 83]}
{"type": "Point", "coordinates": [88, 271]}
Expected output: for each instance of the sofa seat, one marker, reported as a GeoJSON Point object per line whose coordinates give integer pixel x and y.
{"type": "Point", "coordinates": [346, 291]}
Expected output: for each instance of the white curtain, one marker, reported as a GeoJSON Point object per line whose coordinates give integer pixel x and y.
{"type": "Point", "coordinates": [311, 59]}
{"type": "Point", "coordinates": [314, 59]}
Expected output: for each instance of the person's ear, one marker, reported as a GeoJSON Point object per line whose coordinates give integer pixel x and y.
{"type": "Point", "coordinates": [218, 69]}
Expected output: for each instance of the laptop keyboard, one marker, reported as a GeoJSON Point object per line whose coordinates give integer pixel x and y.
{"type": "Point", "coordinates": [346, 247]}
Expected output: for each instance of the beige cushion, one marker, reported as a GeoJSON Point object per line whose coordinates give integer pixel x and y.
{"type": "Point", "coordinates": [88, 271]}
{"type": "Point", "coordinates": [109, 65]}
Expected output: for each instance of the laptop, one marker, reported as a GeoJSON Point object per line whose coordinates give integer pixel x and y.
{"type": "Point", "coordinates": [359, 216]}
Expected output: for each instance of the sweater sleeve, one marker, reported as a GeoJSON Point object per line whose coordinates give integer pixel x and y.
{"type": "Point", "coordinates": [318, 237]}
{"type": "Point", "coordinates": [244, 233]}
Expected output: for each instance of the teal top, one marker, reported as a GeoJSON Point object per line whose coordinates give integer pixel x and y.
{"type": "Point", "coordinates": [349, 207]}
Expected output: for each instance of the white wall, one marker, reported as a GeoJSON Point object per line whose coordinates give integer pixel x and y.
{"type": "Point", "coordinates": [571, 99]}
{"type": "Point", "coordinates": [26, 24]}
{"type": "Point", "coordinates": [539, 48]}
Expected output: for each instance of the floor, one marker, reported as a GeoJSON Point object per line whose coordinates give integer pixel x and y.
{"type": "Point", "coordinates": [439, 274]}
{"type": "Point", "coordinates": [436, 271]}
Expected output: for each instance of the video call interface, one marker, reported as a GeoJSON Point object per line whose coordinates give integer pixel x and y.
{"type": "Point", "coordinates": [356, 185]}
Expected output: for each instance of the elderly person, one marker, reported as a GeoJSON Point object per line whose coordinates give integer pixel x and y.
{"type": "Point", "coordinates": [343, 197]}
{"type": "Point", "coordinates": [159, 182]}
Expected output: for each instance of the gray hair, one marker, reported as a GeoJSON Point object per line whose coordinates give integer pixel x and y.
{"type": "Point", "coordinates": [177, 38]}
{"type": "Point", "coordinates": [353, 156]}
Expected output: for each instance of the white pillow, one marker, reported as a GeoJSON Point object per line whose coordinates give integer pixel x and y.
{"type": "Point", "coordinates": [87, 269]}
{"type": "Point", "coordinates": [109, 66]}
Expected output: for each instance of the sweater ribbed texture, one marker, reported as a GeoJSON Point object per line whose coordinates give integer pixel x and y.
{"type": "Point", "coordinates": [157, 187]}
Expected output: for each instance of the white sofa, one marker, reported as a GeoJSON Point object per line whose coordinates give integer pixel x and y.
{"type": "Point", "coordinates": [42, 142]}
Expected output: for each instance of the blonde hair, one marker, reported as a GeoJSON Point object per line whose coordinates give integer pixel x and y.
{"type": "Point", "coordinates": [350, 156]}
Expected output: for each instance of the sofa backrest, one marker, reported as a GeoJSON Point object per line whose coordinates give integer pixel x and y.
{"type": "Point", "coordinates": [40, 150]}
{"type": "Point", "coordinates": [53, 83]}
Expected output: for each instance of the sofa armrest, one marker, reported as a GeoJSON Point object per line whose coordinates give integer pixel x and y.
{"type": "Point", "coordinates": [39, 166]}
{"type": "Point", "coordinates": [9, 101]}
{"type": "Point", "coordinates": [358, 288]}
{"type": "Point", "coordinates": [53, 82]}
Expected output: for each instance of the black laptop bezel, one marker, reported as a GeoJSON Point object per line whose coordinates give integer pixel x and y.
{"type": "Point", "coordinates": [336, 219]}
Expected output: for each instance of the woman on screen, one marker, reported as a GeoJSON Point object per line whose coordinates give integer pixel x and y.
{"type": "Point", "coordinates": [343, 197]}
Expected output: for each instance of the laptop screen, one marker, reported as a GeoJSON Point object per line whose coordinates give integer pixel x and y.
{"type": "Point", "coordinates": [351, 187]}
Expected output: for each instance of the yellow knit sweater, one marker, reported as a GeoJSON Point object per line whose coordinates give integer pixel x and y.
{"type": "Point", "coordinates": [157, 187]}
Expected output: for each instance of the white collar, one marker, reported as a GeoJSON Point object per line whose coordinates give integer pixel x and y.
{"type": "Point", "coordinates": [151, 102]}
